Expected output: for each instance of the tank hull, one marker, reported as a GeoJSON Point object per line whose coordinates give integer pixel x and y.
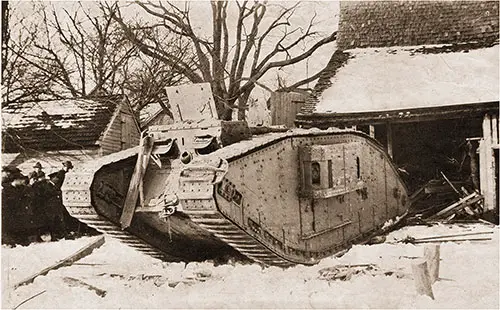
{"type": "Point", "coordinates": [262, 204]}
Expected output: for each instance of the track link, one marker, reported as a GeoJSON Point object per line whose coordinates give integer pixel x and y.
{"type": "Point", "coordinates": [225, 230]}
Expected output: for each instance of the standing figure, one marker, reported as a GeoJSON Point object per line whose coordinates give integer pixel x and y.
{"type": "Point", "coordinates": [37, 174]}
{"type": "Point", "coordinates": [61, 174]}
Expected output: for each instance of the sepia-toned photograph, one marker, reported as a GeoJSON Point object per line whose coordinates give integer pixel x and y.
{"type": "Point", "coordinates": [218, 154]}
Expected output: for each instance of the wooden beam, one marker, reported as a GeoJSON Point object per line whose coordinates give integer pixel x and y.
{"type": "Point", "coordinates": [493, 180]}
{"type": "Point", "coordinates": [494, 129]}
{"type": "Point", "coordinates": [85, 251]}
{"type": "Point", "coordinates": [372, 131]}
{"type": "Point", "coordinates": [135, 183]}
{"type": "Point", "coordinates": [431, 254]}
{"type": "Point", "coordinates": [486, 166]}
{"type": "Point", "coordinates": [422, 278]}
{"type": "Point", "coordinates": [389, 139]}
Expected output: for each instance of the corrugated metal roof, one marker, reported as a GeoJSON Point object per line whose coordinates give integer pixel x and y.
{"type": "Point", "coordinates": [382, 79]}
{"type": "Point", "coordinates": [55, 124]}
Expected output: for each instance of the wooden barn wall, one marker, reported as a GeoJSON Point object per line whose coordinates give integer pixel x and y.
{"type": "Point", "coordinates": [284, 108]}
{"type": "Point", "coordinates": [488, 162]}
{"type": "Point", "coordinates": [121, 134]}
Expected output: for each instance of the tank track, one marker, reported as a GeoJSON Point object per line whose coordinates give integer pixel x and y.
{"type": "Point", "coordinates": [225, 230]}
{"type": "Point", "coordinates": [77, 200]}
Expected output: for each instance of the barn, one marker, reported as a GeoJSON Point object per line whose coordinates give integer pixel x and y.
{"type": "Point", "coordinates": [77, 130]}
{"type": "Point", "coordinates": [422, 77]}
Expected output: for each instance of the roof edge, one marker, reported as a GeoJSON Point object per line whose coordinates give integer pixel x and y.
{"type": "Point", "coordinates": [400, 115]}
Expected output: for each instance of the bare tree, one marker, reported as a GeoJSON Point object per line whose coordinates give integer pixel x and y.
{"type": "Point", "coordinates": [232, 60]}
{"type": "Point", "coordinates": [80, 51]}
{"type": "Point", "coordinates": [147, 85]}
{"type": "Point", "coordinates": [5, 34]}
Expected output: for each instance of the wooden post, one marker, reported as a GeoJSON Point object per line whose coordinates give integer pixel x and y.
{"type": "Point", "coordinates": [431, 254]}
{"type": "Point", "coordinates": [422, 280]}
{"type": "Point", "coordinates": [372, 131]}
{"type": "Point", "coordinates": [494, 130]}
{"type": "Point", "coordinates": [493, 180]}
{"type": "Point", "coordinates": [474, 171]}
{"type": "Point", "coordinates": [486, 166]}
{"type": "Point", "coordinates": [389, 139]}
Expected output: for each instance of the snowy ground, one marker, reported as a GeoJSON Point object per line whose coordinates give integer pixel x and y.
{"type": "Point", "coordinates": [469, 274]}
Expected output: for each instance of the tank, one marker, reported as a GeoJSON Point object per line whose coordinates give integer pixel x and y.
{"type": "Point", "coordinates": [203, 189]}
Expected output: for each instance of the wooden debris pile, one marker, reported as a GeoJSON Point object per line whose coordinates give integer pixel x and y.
{"type": "Point", "coordinates": [446, 201]}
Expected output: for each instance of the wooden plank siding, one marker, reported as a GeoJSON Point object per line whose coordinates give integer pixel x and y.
{"type": "Point", "coordinates": [284, 108]}
{"type": "Point", "coordinates": [122, 133]}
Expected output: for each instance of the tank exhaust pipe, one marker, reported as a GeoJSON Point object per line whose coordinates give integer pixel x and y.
{"type": "Point", "coordinates": [186, 157]}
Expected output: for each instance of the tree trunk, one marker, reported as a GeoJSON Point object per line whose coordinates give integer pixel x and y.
{"type": "Point", "coordinates": [242, 104]}
{"type": "Point", "coordinates": [222, 104]}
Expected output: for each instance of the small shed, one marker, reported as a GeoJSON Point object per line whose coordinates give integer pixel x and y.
{"type": "Point", "coordinates": [422, 77]}
{"type": "Point", "coordinates": [53, 131]}
{"type": "Point", "coordinates": [285, 106]}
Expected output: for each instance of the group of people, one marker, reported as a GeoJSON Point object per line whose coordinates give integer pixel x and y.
{"type": "Point", "coordinates": [32, 205]}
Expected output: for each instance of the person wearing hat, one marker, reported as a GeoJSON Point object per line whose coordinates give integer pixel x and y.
{"type": "Point", "coordinates": [61, 174]}
{"type": "Point", "coordinates": [9, 174]}
{"type": "Point", "coordinates": [37, 174]}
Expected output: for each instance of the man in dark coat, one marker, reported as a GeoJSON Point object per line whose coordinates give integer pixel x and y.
{"type": "Point", "coordinates": [50, 206]}
{"type": "Point", "coordinates": [18, 218]}
{"type": "Point", "coordinates": [61, 174]}
{"type": "Point", "coordinates": [37, 175]}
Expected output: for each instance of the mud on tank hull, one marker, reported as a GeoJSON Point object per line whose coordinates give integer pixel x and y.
{"type": "Point", "coordinates": [279, 199]}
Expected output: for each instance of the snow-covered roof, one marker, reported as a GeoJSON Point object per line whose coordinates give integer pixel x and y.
{"type": "Point", "coordinates": [395, 78]}
{"type": "Point", "coordinates": [56, 124]}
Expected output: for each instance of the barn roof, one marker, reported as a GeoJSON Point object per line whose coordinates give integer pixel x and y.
{"type": "Point", "coordinates": [383, 79]}
{"type": "Point", "coordinates": [409, 57]}
{"type": "Point", "coordinates": [411, 23]}
{"type": "Point", "coordinates": [56, 124]}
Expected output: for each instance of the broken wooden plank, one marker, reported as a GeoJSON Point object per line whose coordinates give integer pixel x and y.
{"type": "Point", "coordinates": [455, 235]}
{"type": "Point", "coordinates": [450, 240]}
{"type": "Point", "coordinates": [431, 254]}
{"type": "Point", "coordinates": [422, 279]}
{"type": "Point", "coordinates": [451, 184]}
{"type": "Point", "coordinates": [454, 205]}
{"type": "Point", "coordinates": [135, 183]}
{"type": "Point", "coordinates": [462, 206]}
{"type": "Point", "coordinates": [85, 251]}
{"type": "Point", "coordinates": [73, 282]}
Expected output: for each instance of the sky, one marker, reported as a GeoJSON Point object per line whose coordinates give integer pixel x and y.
{"type": "Point", "coordinates": [326, 17]}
